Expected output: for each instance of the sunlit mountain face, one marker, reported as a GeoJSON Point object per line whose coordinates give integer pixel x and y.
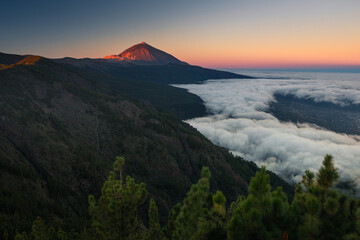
{"type": "Point", "coordinates": [143, 54]}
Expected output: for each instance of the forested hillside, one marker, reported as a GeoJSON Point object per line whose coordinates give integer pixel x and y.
{"type": "Point", "coordinates": [60, 132]}
{"type": "Point", "coordinates": [151, 82]}
{"type": "Point", "coordinates": [317, 212]}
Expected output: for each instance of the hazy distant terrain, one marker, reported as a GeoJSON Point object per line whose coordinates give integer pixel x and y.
{"type": "Point", "coordinates": [340, 119]}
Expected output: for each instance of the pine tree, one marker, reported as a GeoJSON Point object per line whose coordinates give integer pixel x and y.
{"type": "Point", "coordinates": [170, 227]}
{"type": "Point", "coordinates": [235, 205]}
{"type": "Point", "coordinates": [326, 178]}
{"type": "Point", "coordinates": [328, 174]}
{"type": "Point", "coordinates": [308, 179]}
{"type": "Point", "coordinates": [310, 226]}
{"type": "Point", "coordinates": [211, 224]}
{"type": "Point", "coordinates": [39, 231]}
{"type": "Point", "coordinates": [114, 215]}
{"type": "Point", "coordinates": [155, 231]}
{"type": "Point", "coordinates": [219, 203]}
{"type": "Point", "coordinates": [262, 215]}
{"type": "Point", "coordinates": [317, 212]}
{"type": "Point", "coordinates": [320, 212]}
{"type": "Point", "coordinates": [197, 200]}
{"type": "Point", "coordinates": [259, 186]}
{"type": "Point", "coordinates": [62, 235]}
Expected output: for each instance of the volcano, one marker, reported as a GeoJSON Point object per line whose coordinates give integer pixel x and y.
{"type": "Point", "coordinates": [144, 54]}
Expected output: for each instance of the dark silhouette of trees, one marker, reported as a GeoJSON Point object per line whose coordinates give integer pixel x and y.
{"type": "Point", "coordinates": [316, 212]}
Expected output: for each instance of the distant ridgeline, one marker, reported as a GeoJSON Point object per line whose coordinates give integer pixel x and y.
{"type": "Point", "coordinates": [144, 72]}
{"type": "Point", "coordinates": [61, 131]}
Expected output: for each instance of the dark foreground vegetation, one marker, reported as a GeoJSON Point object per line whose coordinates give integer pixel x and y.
{"type": "Point", "coordinates": [317, 212]}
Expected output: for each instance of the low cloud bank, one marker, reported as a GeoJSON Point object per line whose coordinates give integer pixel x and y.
{"type": "Point", "coordinates": [239, 123]}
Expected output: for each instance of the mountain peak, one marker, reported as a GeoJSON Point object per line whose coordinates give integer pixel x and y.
{"type": "Point", "coordinates": [144, 54]}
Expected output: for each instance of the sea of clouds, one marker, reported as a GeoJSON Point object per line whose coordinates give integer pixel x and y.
{"type": "Point", "coordinates": [239, 123]}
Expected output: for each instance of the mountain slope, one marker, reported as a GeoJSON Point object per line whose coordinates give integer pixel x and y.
{"type": "Point", "coordinates": [164, 74]}
{"type": "Point", "coordinates": [60, 133]}
{"type": "Point", "coordinates": [143, 53]}
{"type": "Point", "coordinates": [177, 100]}
{"type": "Point", "coordinates": [146, 73]}
{"type": "Point", "coordinates": [7, 59]}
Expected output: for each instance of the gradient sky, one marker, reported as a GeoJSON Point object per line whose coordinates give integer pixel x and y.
{"type": "Point", "coordinates": [227, 33]}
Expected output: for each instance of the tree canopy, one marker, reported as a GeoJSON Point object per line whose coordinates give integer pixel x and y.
{"type": "Point", "coordinates": [316, 212]}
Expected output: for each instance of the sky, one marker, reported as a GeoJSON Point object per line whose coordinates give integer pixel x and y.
{"type": "Point", "coordinates": [209, 33]}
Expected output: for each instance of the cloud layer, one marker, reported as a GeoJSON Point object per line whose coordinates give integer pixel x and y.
{"type": "Point", "coordinates": [239, 123]}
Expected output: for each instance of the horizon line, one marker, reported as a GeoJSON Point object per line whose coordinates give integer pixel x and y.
{"type": "Point", "coordinates": [289, 66]}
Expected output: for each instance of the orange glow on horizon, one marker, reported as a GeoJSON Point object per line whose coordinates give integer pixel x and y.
{"type": "Point", "coordinates": [217, 34]}
{"type": "Point", "coordinates": [278, 61]}
{"type": "Point", "coordinates": [305, 47]}
{"type": "Point", "coordinates": [270, 63]}
{"type": "Point", "coordinates": [277, 55]}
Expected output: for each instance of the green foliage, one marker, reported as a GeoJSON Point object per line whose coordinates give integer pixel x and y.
{"type": "Point", "coordinates": [234, 205]}
{"type": "Point", "coordinates": [155, 232]}
{"type": "Point", "coordinates": [61, 235]}
{"type": "Point", "coordinates": [212, 224]}
{"type": "Point", "coordinates": [327, 174]}
{"type": "Point", "coordinates": [23, 236]}
{"type": "Point", "coordinates": [310, 221]}
{"type": "Point", "coordinates": [331, 205]}
{"type": "Point", "coordinates": [259, 186]}
{"type": "Point", "coordinates": [202, 215]}
{"type": "Point", "coordinates": [316, 212]}
{"type": "Point", "coordinates": [321, 212]}
{"type": "Point", "coordinates": [170, 227]}
{"type": "Point", "coordinates": [192, 209]}
{"type": "Point", "coordinates": [114, 215]}
{"type": "Point", "coordinates": [39, 230]}
{"type": "Point", "coordinates": [219, 203]}
{"type": "Point", "coordinates": [262, 215]}
{"type": "Point", "coordinates": [308, 179]}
